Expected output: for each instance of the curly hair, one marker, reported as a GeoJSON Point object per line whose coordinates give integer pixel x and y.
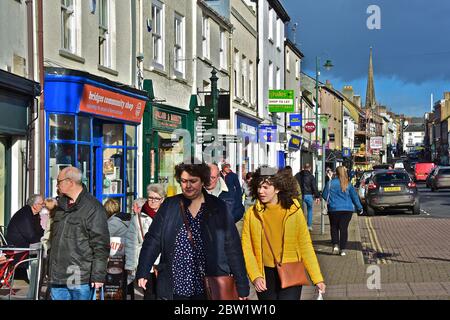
{"type": "Point", "coordinates": [282, 181]}
{"type": "Point", "coordinates": [195, 168]}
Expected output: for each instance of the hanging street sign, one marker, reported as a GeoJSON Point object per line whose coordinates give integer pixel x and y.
{"type": "Point", "coordinates": [295, 119]}
{"type": "Point", "coordinates": [281, 101]}
{"type": "Point", "coordinates": [310, 127]}
{"type": "Point", "coordinates": [267, 133]}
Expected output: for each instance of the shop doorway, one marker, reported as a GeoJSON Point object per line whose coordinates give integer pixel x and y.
{"type": "Point", "coordinates": [5, 205]}
{"type": "Point", "coordinates": [114, 163]}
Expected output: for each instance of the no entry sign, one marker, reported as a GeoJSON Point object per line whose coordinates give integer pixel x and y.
{"type": "Point", "coordinates": [310, 127]}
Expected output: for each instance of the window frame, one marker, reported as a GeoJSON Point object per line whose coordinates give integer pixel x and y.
{"type": "Point", "coordinates": [223, 49]}
{"type": "Point", "coordinates": [179, 44]}
{"type": "Point", "coordinates": [206, 37]}
{"type": "Point", "coordinates": [71, 21]}
{"type": "Point", "coordinates": [158, 34]}
{"type": "Point", "coordinates": [105, 46]}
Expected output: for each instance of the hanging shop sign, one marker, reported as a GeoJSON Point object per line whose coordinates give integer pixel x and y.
{"type": "Point", "coordinates": [346, 153]}
{"type": "Point", "coordinates": [281, 101]}
{"type": "Point", "coordinates": [111, 104]}
{"type": "Point", "coordinates": [295, 143]}
{"type": "Point", "coordinates": [267, 133]}
{"type": "Point", "coordinates": [310, 127]}
{"type": "Point", "coordinates": [376, 143]}
{"type": "Point", "coordinates": [295, 119]}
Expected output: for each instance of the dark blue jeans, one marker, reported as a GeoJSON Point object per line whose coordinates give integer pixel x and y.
{"type": "Point", "coordinates": [80, 292]}
{"type": "Point", "coordinates": [309, 201]}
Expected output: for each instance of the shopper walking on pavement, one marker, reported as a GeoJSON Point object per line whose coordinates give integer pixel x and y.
{"type": "Point", "coordinates": [308, 187]}
{"type": "Point", "coordinates": [246, 189]}
{"type": "Point", "coordinates": [342, 200]}
{"type": "Point", "coordinates": [234, 188]}
{"type": "Point", "coordinates": [79, 240]}
{"type": "Point", "coordinates": [139, 226]}
{"type": "Point", "coordinates": [275, 231]}
{"type": "Point", "coordinates": [217, 187]}
{"type": "Point", "coordinates": [196, 237]}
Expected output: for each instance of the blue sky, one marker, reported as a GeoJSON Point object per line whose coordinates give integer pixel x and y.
{"type": "Point", "coordinates": [411, 50]}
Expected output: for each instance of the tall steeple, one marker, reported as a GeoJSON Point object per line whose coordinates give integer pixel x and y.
{"type": "Point", "coordinates": [370, 91]}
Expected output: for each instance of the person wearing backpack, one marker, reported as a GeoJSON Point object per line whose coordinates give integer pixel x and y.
{"type": "Point", "coordinates": [342, 200]}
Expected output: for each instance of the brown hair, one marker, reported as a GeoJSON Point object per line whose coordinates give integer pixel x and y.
{"type": "Point", "coordinates": [341, 173]}
{"type": "Point", "coordinates": [195, 168]}
{"type": "Point", "coordinates": [112, 207]}
{"type": "Point", "coordinates": [282, 181]}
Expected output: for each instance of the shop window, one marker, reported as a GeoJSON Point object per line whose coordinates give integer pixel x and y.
{"type": "Point", "coordinates": [170, 154]}
{"type": "Point", "coordinates": [130, 200]}
{"type": "Point", "coordinates": [118, 199]}
{"type": "Point", "coordinates": [61, 155]}
{"type": "Point", "coordinates": [112, 171]}
{"type": "Point", "coordinates": [84, 129]}
{"type": "Point", "coordinates": [131, 169]}
{"type": "Point", "coordinates": [62, 127]}
{"type": "Point", "coordinates": [113, 134]}
{"type": "Point", "coordinates": [84, 163]}
{"type": "Point", "coordinates": [131, 136]}
{"type": "Point", "coordinates": [3, 181]}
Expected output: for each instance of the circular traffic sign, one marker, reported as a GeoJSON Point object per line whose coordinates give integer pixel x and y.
{"type": "Point", "coordinates": [310, 127]}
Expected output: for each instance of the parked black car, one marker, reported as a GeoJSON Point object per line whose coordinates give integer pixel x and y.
{"type": "Point", "coordinates": [389, 189]}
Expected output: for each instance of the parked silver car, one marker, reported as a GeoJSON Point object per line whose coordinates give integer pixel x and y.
{"type": "Point", "coordinates": [440, 179]}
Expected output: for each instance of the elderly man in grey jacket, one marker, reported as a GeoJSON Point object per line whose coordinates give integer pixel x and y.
{"type": "Point", "coordinates": [79, 240]}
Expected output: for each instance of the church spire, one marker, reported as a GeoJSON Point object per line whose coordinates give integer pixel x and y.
{"type": "Point", "coordinates": [370, 91]}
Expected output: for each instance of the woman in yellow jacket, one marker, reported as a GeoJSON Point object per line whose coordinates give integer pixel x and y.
{"type": "Point", "coordinates": [279, 211]}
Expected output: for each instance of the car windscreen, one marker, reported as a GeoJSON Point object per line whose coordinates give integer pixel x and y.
{"type": "Point", "coordinates": [444, 172]}
{"type": "Point", "coordinates": [391, 177]}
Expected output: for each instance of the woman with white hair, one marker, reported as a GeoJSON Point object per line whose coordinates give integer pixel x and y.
{"type": "Point", "coordinates": [145, 211]}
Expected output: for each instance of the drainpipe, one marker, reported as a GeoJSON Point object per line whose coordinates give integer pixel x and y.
{"type": "Point", "coordinates": [30, 139]}
{"type": "Point", "coordinates": [40, 30]}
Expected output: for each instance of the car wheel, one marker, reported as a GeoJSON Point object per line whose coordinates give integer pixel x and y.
{"type": "Point", "coordinates": [416, 208]}
{"type": "Point", "coordinates": [370, 211]}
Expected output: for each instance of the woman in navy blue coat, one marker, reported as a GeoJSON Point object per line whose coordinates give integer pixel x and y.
{"type": "Point", "coordinates": [196, 237]}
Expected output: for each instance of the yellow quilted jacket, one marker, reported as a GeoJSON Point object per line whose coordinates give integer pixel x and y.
{"type": "Point", "coordinates": [297, 242]}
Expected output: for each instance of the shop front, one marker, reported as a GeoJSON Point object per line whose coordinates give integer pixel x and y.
{"type": "Point", "coordinates": [161, 152]}
{"type": "Point", "coordinates": [17, 96]}
{"type": "Point", "coordinates": [91, 123]}
{"type": "Point", "coordinates": [248, 155]}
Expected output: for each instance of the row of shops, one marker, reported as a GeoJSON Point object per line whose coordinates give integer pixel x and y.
{"type": "Point", "coordinates": [95, 124]}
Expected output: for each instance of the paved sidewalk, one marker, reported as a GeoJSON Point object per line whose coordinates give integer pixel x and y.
{"type": "Point", "coordinates": [348, 277]}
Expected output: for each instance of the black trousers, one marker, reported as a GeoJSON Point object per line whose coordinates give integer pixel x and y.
{"type": "Point", "coordinates": [339, 221]}
{"type": "Point", "coordinates": [274, 291]}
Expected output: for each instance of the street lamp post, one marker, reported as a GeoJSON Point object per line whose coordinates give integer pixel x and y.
{"type": "Point", "coordinates": [328, 65]}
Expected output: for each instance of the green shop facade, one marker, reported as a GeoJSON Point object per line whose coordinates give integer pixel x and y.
{"type": "Point", "coordinates": [160, 152]}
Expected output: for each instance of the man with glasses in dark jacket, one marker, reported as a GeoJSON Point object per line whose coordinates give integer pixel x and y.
{"type": "Point", "coordinates": [308, 186]}
{"type": "Point", "coordinates": [80, 241]}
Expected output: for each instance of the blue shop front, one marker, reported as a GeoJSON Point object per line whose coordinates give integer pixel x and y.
{"type": "Point", "coordinates": [91, 123]}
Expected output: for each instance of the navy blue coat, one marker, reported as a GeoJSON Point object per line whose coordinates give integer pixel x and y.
{"type": "Point", "coordinates": [233, 197]}
{"type": "Point", "coordinates": [24, 228]}
{"type": "Point", "coordinates": [220, 237]}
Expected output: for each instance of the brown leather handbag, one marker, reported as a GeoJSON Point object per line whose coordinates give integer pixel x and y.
{"type": "Point", "coordinates": [221, 288]}
{"type": "Point", "coordinates": [291, 273]}
{"type": "Point", "coordinates": [216, 287]}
